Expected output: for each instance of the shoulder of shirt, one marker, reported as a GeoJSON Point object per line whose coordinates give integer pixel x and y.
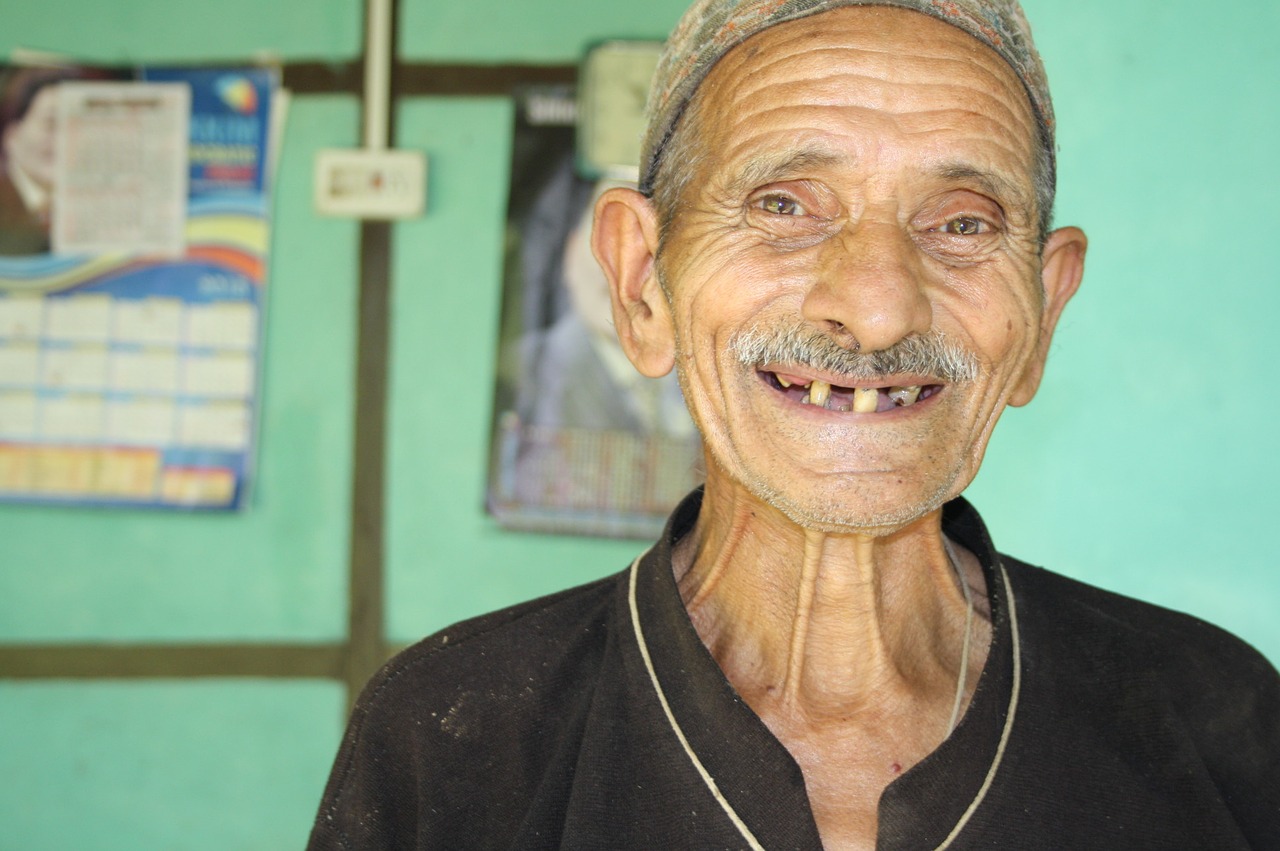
{"type": "Point", "coordinates": [1216, 680]}
{"type": "Point", "coordinates": [1135, 657]}
{"type": "Point", "coordinates": [479, 690]}
{"type": "Point", "coordinates": [1116, 613]}
{"type": "Point", "coordinates": [500, 643]}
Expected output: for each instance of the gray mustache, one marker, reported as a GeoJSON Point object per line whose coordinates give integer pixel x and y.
{"type": "Point", "coordinates": [802, 345]}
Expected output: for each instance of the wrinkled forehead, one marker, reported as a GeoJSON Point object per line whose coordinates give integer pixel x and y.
{"type": "Point", "coordinates": [858, 46]}
{"type": "Point", "coordinates": [858, 94]}
{"type": "Point", "coordinates": [710, 29]}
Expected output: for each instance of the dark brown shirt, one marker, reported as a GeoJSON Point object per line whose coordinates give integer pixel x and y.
{"type": "Point", "coordinates": [596, 719]}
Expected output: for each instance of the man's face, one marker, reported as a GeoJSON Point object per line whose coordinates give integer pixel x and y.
{"type": "Point", "coordinates": [868, 175]}
{"type": "Point", "coordinates": [28, 143]}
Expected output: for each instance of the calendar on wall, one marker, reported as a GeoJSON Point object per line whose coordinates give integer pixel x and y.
{"type": "Point", "coordinates": [134, 222]}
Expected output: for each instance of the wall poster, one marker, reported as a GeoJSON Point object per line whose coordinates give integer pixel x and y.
{"type": "Point", "coordinates": [134, 212]}
{"type": "Point", "coordinates": [581, 442]}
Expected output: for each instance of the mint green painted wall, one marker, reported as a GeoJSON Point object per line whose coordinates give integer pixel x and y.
{"type": "Point", "coordinates": [1145, 465]}
{"type": "Point", "coordinates": [158, 31]}
{"type": "Point", "coordinates": [163, 765]}
{"type": "Point", "coordinates": [526, 30]}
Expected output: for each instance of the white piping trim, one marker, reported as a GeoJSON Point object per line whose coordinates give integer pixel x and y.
{"type": "Point", "coordinates": [671, 719]}
{"type": "Point", "coordinates": [968, 633]}
{"type": "Point", "coordinates": [1008, 721]}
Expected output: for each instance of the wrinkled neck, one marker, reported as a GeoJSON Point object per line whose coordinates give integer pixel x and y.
{"type": "Point", "coordinates": [820, 622]}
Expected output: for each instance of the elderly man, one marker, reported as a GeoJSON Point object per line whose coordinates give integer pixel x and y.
{"type": "Point", "coordinates": [841, 246]}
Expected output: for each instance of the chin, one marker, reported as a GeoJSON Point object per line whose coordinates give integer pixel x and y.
{"type": "Point", "coordinates": [845, 510]}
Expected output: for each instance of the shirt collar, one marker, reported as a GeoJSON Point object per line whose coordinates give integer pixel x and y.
{"type": "Point", "coordinates": [751, 770]}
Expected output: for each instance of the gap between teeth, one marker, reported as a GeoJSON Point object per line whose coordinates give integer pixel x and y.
{"type": "Point", "coordinates": [865, 399]}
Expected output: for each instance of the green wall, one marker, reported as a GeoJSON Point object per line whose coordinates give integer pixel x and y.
{"type": "Point", "coordinates": [1144, 465]}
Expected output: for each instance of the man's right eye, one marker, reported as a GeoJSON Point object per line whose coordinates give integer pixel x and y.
{"type": "Point", "coordinates": [780, 205]}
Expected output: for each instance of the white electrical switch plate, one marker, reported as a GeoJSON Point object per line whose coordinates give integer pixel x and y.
{"type": "Point", "coordinates": [371, 184]}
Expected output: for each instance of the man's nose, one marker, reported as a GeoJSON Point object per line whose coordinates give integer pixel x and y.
{"type": "Point", "coordinates": [869, 287]}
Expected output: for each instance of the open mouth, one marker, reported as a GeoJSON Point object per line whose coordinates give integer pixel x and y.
{"type": "Point", "coordinates": [858, 400]}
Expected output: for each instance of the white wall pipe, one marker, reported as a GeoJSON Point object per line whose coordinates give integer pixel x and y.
{"type": "Point", "coordinates": [377, 73]}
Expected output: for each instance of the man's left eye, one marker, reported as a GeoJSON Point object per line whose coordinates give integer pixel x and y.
{"type": "Point", "coordinates": [964, 226]}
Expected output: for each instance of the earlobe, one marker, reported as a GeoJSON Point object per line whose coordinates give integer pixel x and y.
{"type": "Point", "coordinates": [1062, 268]}
{"type": "Point", "coordinates": [624, 240]}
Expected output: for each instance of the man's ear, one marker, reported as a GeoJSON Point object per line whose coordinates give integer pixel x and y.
{"type": "Point", "coordinates": [624, 240]}
{"type": "Point", "coordinates": [1062, 267]}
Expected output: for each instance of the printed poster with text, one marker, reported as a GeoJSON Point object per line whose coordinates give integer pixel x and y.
{"type": "Point", "coordinates": [134, 217]}
{"type": "Point", "coordinates": [581, 443]}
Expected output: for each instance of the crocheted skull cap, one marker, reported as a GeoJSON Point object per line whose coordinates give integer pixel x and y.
{"type": "Point", "coordinates": [711, 28]}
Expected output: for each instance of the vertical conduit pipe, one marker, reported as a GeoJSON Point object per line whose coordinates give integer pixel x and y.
{"type": "Point", "coordinates": [377, 73]}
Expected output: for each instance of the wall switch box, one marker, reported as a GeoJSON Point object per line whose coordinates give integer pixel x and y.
{"type": "Point", "coordinates": [365, 184]}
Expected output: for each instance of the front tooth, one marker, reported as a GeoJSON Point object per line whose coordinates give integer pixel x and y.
{"type": "Point", "coordinates": [785, 384]}
{"type": "Point", "coordinates": [865, 400]}
{"type": "Point", "coordinates": [819, 393]}
{"type": "Point", "coordinates": [904, 396]}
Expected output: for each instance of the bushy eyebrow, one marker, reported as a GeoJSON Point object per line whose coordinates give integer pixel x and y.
{"type": "Point", "coordinates": [773, 166]}
{"type": "Point", "coordinates": [1000, 188]}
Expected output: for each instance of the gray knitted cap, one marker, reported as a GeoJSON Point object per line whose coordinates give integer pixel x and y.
{"type": "Point", "coordinates": [711, 28]}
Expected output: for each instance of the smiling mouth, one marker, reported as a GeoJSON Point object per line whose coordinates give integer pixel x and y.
{"type": "Point", "coordinates": [858, 400]}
